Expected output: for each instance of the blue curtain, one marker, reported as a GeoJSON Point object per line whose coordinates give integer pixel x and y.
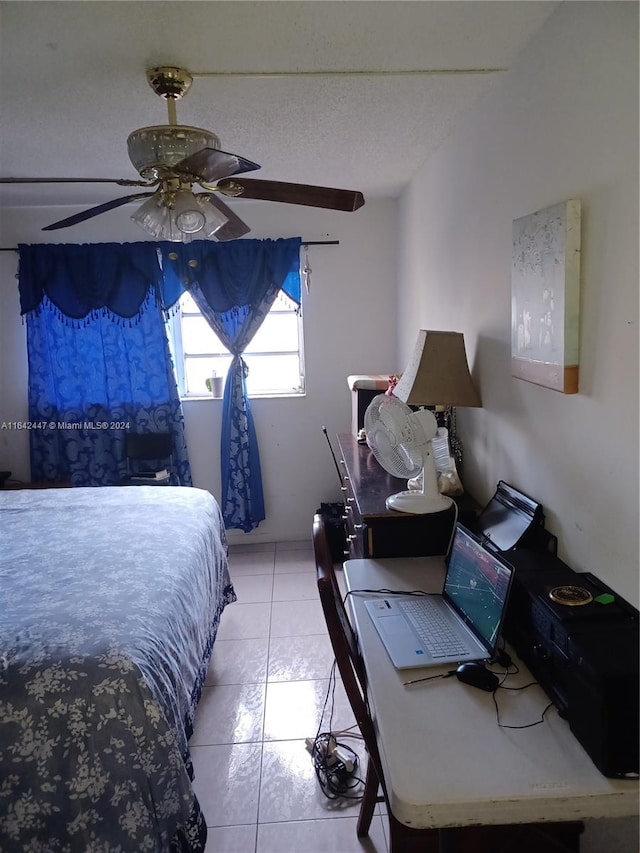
{"type": "Point", "coordinates": [99, 361]}
{"type": "Point", "coordinates": [234, 285]}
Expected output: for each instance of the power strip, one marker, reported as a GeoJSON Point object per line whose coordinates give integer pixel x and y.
{"type": "Point", "coordinates": [327, 751]}
{"type": "Point", "coordinates": [345, 758]}
{"type": "Point", "coordinates": [331, 753]}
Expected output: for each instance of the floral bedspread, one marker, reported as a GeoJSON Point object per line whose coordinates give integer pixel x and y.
{"type": "Point", "coordinates": [110, 600]}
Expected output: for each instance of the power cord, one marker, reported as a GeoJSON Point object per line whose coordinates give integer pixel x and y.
{"type": "Point", "coordinates": [499, 686]}
{"type": "Point", "coordinates": [503, 659]}
{"type": "Point", "coordinates": [453, 529]}
{"type": "Point", "coordinates": [523, 687]}
{"type": "Point", "coordinates": [335, 763]}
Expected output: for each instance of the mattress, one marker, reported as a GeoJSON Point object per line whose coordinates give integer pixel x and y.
{"type": "Point", "coordinates": [110, 600]}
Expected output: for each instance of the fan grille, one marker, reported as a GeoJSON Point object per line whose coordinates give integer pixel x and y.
{"type": "Point", "coordinates": [394, 436]}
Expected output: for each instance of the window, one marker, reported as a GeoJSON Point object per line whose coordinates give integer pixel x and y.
{"type": "Point", "coordinates": [274, 356]}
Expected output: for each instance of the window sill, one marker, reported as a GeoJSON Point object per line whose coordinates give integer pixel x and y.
{"type": "Point", "coordinates": [199, 398]}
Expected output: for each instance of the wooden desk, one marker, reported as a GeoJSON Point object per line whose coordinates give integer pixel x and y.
{"type": "Point", "coordinates": [446, 761]}
{"type": "Point", "coordinates": [375, 531]}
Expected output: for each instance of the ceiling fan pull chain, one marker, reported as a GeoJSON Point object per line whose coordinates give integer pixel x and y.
{"type": "Point", "coordinates": [306, 270]}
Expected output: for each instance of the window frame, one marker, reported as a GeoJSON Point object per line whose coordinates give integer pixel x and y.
{"type": "Point", "coordinates": [179, 357]}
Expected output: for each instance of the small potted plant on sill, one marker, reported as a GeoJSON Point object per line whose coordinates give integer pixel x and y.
{"type": "Point", "coordinates": [214, 384]}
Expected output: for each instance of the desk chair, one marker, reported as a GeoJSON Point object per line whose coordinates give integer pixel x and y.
{"type": "Point", "coordinates": [147, 453]}
{"type": "Point", "coordinates": [519, 838]}
{"type": "Point", "coordinates": [352, 672]}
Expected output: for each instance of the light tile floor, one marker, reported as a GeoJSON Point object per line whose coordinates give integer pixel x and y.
{"type": "Point", "coordinates": [264, 694]}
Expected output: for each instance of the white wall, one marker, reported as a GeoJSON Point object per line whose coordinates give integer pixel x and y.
{"type": "Point", "coordinates": [14, 447]}
{"type": "Point", "coordinates": [349, 327]}
{"type": "Point", "coordinates": [563, 123]}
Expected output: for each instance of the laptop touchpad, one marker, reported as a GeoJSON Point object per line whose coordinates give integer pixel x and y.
{"type": "Point", "coordinates": [393, 625]}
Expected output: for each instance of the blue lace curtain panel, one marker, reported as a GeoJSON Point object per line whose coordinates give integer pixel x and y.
{"type": "Point", "coordinates": [99, 361]}
{"type": "Point", "coordinates": [234, 285]}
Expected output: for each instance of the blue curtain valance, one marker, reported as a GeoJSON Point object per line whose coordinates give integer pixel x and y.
{"type": "Point", "coordinates": [83, 280]}
{"type": "Point", "coordinates": [231, 274]}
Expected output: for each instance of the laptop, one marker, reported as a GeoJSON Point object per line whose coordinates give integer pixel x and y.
{"type": "Point", "coordinates": [461, 624]}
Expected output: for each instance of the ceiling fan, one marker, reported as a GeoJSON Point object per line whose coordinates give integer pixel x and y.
{"type": "Point", "coordinates": [172, 158]}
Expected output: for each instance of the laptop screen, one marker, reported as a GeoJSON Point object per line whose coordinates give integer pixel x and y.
{"type": "Point", "coordinates": [477, 586]}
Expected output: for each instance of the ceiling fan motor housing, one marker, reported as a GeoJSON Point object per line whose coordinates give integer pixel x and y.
{"type": "Point", "coordinates": [168, 81]}
{"type": "Point", "coordinates": [154, 150]}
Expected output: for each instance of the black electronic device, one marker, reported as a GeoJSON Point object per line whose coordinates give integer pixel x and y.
{"type": "Point", "coordinates": [477, 675]}
{"type": "Point", "coordinates": [580, 640]}
{"type": "Point", "coordinates": [512, 519]}
{"type": "Point", "coordinates": [577, 636]}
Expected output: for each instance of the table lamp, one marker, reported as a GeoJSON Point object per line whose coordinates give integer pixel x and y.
{"type": "Point", "coordinates": [438, 375]}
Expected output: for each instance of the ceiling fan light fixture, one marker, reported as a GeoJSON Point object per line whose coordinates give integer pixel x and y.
{"type": "Point", "coordinates": [186, 212]}
{"type": "Point", "coordinates": [152, 215]}
{"type": "Point", "coordinates": [153, 150]}
{"type": "Point", "coordinates": [178, 216]}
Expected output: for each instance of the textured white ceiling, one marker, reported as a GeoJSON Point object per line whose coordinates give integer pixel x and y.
{"type": "Point", "coordinates": [73, 86]}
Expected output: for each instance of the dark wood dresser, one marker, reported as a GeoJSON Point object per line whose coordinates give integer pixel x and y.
{"type": "Point", "coordinates": [375, 531]}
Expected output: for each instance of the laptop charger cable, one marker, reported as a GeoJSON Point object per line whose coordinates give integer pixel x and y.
{"type": "Point", "coordinates": [502, 658]}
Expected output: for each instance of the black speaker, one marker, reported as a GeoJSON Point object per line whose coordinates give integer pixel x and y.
{"type": "Point", "coordinates": [602, 696]}
{"type": "Point", "coordinates": [584, 656]}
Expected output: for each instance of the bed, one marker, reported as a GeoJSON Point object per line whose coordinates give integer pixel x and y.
{"type": "Point", "coordinates": [110, 600]}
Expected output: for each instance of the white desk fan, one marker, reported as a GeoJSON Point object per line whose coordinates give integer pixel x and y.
{"type": "Point", "coordinates": [401, 442]}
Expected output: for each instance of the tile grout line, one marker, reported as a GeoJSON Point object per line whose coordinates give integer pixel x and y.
{"type": "Point", "coordinates": [264, 708]}
{"type": "Point", "coordinates": [294, 819]}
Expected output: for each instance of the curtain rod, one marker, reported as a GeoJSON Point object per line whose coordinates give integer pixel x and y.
{"type": "Point", "coordinates": [303, 243]}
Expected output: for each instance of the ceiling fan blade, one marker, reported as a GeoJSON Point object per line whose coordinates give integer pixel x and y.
{"type": "Point", "coordinates": [210, 164]}
{"type": "Point", "coordinates": [95, 211]}
{"type": "Point", "coordinates": [311, 196]}
{"type": "Point", "coordinates": [123, 182]}
{"type": "Point", "coordinates": [232, 229]}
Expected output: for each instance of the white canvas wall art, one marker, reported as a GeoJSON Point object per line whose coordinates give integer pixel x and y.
{"type": "Point", "coordinates": [545, 297]}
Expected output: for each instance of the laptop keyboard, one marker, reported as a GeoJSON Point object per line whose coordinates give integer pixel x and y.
{"type": "Point", "coordinates": [433, 628]}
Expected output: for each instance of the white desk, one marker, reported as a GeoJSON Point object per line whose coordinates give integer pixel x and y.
{"type": "Point", "coordinates": [445, 759]}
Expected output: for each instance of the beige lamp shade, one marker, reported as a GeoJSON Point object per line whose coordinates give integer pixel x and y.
{"type": "Point", "coordinates": [438, 373]}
